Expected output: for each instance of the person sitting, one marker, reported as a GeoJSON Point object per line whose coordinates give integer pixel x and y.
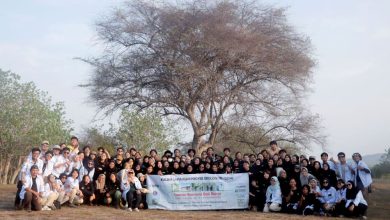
{"type": "Point", "coordinates": [144, 190]}
{"type": "Point", "coordinates": [130, 189]}
{"type": "Point", "coordinates": [72, 189]}
{"type": "Point", "coordinates": [340, 198]}
{"type": "Point", "coordinates": [328, 198]}
{"type": "Point", "coordinates": [306, 201]}
{"type": "Point", "coordinates": [88, 190]}
{"type": "Point", "coordinates": [113, 194]}
{"type": "Point", "coordinates": [32, 189]}
{"type": "Point", "coordinates": [100, 189]}
{"type": "Point", "coordinates": [273, 196]}
{"type": "Point", "coordinates": [356, 204]}
{"type": "Point", "coordinates": [50, 193]}
{"type": "Point", "coordinates": [292, 198]}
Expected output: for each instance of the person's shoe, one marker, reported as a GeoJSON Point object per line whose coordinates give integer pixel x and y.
{"type": "Point", "coordinates": [45, 208]}
{"type": "Point", "coordinates": [53, 207]}
{"type": "Point", "coordinates": [72, 205]}
{"type": "Point", "coordinates": [136, 209]}
{"type": "Point", "coordinates": [129, 209]}
{"type": "Point", "coordinates": [363, 217]}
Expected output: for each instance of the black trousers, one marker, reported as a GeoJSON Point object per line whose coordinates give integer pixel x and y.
{"type": "Point", "coordinates": [17, 198]}
{"type": "Point", "coordinates": [131, 194]}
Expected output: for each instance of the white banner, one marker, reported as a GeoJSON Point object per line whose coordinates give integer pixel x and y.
{"type": "Point", "coordinates": [198, 191]}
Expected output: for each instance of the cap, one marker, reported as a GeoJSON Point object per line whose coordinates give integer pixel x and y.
{"type": "Point", "coordinates": [56, 147]}
{"type": "Point", "coordinates": [45, 142]}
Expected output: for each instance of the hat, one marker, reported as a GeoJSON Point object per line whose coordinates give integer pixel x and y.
{"type": "Point", "coordinates": [341, 154]}
{"type": "Point", "coordinates": [312, 178]}
{"type": "Point", "coordinates": [45, 142]}
{"type": "Point", "coordinates": [56, 147]}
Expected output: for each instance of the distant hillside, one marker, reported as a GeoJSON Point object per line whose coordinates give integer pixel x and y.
{"type": "Point", "coordinates": [372, 159]}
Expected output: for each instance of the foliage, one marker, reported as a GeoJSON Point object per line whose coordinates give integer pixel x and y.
{"type": "Point", "coordinates": [382, 168]}
{"type": "Point", "coordinates": [144, 130]}
{"type": "Point", "coordinates": [27, 117]}
{"type": "Point", "coordinates": [204, 61]}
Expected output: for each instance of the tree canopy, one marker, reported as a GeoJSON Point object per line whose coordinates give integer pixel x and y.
{"type": "Point", "coordinates": [206, 61]}
{"type": "Point", "coordinates": [27, 117]}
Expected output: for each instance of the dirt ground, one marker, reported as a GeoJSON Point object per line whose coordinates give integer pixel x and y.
{"type": "Point", "coordinates": [379, 208]}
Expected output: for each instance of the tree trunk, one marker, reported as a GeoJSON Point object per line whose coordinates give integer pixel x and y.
{"type": "Point", "coordinates": [18, 168]}
{"type": "Point", "coordinates": [6, 169]}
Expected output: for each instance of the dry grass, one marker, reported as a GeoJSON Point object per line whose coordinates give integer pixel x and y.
{"type": "Point", "coordinates": [379, 208]}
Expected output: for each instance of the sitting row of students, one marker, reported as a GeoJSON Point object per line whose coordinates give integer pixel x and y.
{"type": "Point", "coordinates": [311, 199]}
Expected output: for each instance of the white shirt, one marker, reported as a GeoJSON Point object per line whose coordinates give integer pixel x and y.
{"type": "Point", "coordinates": [47, 190]}
{"type": "Point", "coordinates": [61, 169]}
{"type": "Point", "coordinates": [71, 184]}
{"type": "Point", "coordinates": [27, 166]}
{"type": "Point", "coordinates": [29, 183]}
{"type": "Point", "coordinates": [48, 169]}
{"type": "Point", "coordinates": [125, 186]}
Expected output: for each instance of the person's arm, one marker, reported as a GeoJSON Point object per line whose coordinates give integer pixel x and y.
{"type": "Point", "coordinates": [137, 183]}
{"type": "Point", "coordinates": [332, 199]}
{"type": "Point", "coordinates": [268, 196]}
{"type": "Point", "coordinates": [359, 198]}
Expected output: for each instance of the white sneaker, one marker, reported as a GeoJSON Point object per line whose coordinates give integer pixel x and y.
{"type": "Point", "coordinates": [129, 209]}
{"type": "Point", "coordinates": [45, 208]}
{"type": "Point", "coordinates": [136, 209]}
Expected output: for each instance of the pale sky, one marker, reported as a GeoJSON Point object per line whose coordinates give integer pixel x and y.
{"type": "Point", "coordinates": [351, 90]}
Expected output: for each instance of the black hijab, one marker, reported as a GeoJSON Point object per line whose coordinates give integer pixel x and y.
{"type": "Point", "coordinates": [351, 193]}
{"type": "Point", "coordinates": [327, 186]}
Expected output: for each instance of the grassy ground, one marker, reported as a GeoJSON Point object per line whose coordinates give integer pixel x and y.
{"type": "Point", "coordinates": [379, 208]}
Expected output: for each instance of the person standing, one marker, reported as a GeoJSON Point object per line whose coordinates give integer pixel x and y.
{"type": "Point", "coordinates": [362, 173]}
{"type": "Point", "coordinates": [343, 169]}
{"type": "Point", "coordinates": [273, 149]}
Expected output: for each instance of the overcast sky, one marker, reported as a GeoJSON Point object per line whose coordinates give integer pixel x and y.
{"type": "Point", "coordinates": [351, 89]}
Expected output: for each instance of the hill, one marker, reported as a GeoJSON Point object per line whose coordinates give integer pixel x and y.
{"type": "Point", "coordinates": [372, 159]}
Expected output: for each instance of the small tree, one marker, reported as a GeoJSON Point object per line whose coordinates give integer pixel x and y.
{"type": "Point", "coordinates": [383, 168]}
{"type": "Point", "coordinates": [146, 130]}
{"type": "Point", "coordinates": [27, 117]}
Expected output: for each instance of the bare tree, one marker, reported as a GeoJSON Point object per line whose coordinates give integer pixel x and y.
{"type": "Point", "coordinates": [202, 61]}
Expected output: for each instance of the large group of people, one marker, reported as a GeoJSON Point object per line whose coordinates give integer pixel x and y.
{"type": "Point", "coordinates": [278, 181]}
